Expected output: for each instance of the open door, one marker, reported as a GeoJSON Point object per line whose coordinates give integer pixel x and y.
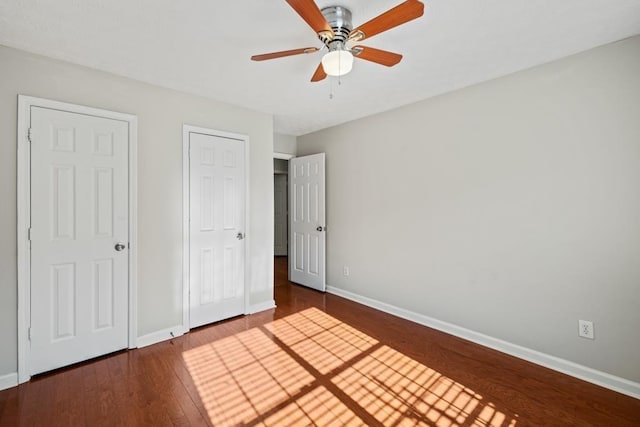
{"type": "Point", "coordinates": [307, 238]}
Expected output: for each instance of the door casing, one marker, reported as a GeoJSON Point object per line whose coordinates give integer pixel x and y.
{"type": "Point", "coordinates": [186, 238]}
{"type": "Point", "coordinates": [24, 212]}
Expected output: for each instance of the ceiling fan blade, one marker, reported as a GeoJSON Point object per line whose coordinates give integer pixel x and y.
{"type": "Point", "coordinates": [274, 55]}
{"type": "Point", "coordinates": [308, 10]}
{"type": "Point", "coordinates": [404, 12]}
{"type": "Point", "coordinates": [378, 56]}
{"type": "Point", "coordinates": [319, 74]}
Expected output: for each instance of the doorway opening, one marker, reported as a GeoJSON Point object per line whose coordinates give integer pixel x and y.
{"type": "Point", "coordinates": [305, 224]}
{"type": "Point", "coordinates": [281, 207]}
{"type": "Point", "coordinates": [281, 218]}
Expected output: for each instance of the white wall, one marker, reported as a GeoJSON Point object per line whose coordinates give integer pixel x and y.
{"type": "Point", "coordinates": [161, 114]}
{"type": "Point", "coordinates": [285, 144]}
{"type": "Point", "coordinates": [510, 208]}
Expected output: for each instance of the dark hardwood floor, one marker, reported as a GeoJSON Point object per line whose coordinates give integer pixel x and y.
{"type": "Point", "coordinates": [315, 360]}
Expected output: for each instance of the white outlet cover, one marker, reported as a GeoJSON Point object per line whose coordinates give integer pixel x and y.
{"type": "Point", "coordinates": [585, 329]}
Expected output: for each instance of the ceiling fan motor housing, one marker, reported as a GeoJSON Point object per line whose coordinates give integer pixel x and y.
{"type": "Point", "coordinates": [339, 18]}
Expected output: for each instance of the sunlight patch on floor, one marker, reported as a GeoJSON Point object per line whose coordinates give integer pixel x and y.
{"type": "Point", "coordinates": [243, 376]}
{"type": "Point", "coordinates": [309, 368]}
{"type": "Point", "coordinates": [397, 390]}
{"type": "Point", "coordinates": [322, 341]}
{"type": "Point", "coordinates": [318, 407]}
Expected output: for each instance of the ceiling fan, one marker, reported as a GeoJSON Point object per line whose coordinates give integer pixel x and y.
{"type": "Point", "coordinates": [333, 26]}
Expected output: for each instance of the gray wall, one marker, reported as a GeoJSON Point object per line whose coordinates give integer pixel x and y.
{"type": "Point", "coordinates": [161, 114]}
{"type": "Point", "coordinates": [284, 143]}
{"type": "Point", "coordinates": [511, 208]}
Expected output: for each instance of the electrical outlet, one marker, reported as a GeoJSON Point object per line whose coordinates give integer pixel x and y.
{"type": "Point", "coordinates": [345, 271]}
{"type": "Point", "coordinates": [585, 329]}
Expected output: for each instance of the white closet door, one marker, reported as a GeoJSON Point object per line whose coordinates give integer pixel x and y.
{"type": "Point", "coordinates": [217, 227]}
{"type": "Point", "coordinates": [79, 237]}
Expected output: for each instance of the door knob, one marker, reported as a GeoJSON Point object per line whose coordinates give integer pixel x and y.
{"type": "Point", "coordinates": [239, 236]}
{"type": "Point", "coordinates": [319, 228]}
{"type": "Point", "coordinates": [120, 247]}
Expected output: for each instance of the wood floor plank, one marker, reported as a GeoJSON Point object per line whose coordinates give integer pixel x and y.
{"type": "Point", "coordinates": [315, 359]}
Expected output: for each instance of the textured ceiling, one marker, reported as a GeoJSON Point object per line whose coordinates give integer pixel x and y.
{"type": "Point", "coordinates": [203, 47]}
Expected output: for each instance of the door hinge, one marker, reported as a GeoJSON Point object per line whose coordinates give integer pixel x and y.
{"type": "Point", "coordinates": [29, 135]}
{"type": "Point", "coordinates": [29, 233]}
{"type": "Point", "coordinates": [29, 333]}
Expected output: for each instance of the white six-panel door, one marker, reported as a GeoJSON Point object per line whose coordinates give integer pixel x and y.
{"type": "Point", "coordinates": [79, 213]}
{"type": "Point", "coordinates": [307, 221]}
{"type": "Point", "coordinates": [217, 227]}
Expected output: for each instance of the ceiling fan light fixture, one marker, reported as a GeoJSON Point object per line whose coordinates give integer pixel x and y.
{"type": "Point", "coordinates": [337, 62]}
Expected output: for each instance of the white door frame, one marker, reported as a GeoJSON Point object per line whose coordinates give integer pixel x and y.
{"type": "Point", "coordinates": [283, 156]}
{"type": "Point", "coordinates": [186, 237]}
{"type": "Point", "coordinates": [24, 213]}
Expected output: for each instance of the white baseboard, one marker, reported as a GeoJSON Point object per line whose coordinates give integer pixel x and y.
{"type": "Point", "coordinates": [159, 336]}
{"type": "Point", "coordinates": [8, 381]}
{"type": "Point", "coordinates": [267, 305]}
{"type": "Point", "coordinates": [585, 373]}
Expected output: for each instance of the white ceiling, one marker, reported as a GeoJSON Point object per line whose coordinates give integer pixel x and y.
{"type": "Point", "coordinates": [203, 47]}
